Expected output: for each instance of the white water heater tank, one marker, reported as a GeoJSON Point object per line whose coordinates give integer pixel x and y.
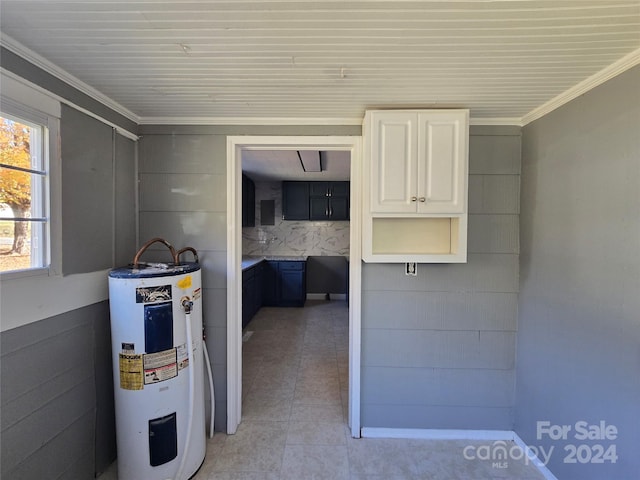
{"type": "Point", "coordinates": [158, 382]}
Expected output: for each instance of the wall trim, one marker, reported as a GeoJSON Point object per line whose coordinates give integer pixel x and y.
{"type": "Point", "coordinates": [607, 73]}
{"type": "Point", "coordinates": [444, 434]}
{"type": "Point", "coordinates": [235, 146]}
{"type": "Point", "coordinates": [29, 299]}
{"type": "Point", "coordinates": [437, 434]}
{"type": "Point", "coordinates": [496, 121]}
{"type": "Point", "coordinates": [252, 121]}
{"type": "Point", "coordinates": [57, 98]}
{"type": "Point", "coordinates": [283, 121]}
{"type": "Point", "coordinates": [542, 468]}
{"type": "Point", "coordinates": [51, 68]}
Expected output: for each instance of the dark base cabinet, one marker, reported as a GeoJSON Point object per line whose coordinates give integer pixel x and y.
{"type": "Point", "coordinates": [251, 292]}
{"type": "Point", "coordinates": [273, 284]}
{"type": "Point", "coordinates": [292, 280]}
{"type": "Point", "coordinates": [284, 284]}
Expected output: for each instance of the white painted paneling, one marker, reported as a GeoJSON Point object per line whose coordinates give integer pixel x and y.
{"type": "Point", "coordinates": [320, 59]}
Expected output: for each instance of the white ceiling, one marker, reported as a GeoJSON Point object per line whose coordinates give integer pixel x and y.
{"type": "Point", "coordinates": [204, 61]}
{"type": "Point", "coordinates": [268, 165]}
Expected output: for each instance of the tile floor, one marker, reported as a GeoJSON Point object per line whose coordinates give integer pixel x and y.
{"type": "Point", "coordinates": [295, 378]}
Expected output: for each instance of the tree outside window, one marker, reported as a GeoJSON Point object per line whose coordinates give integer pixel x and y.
{"type": "Point", "coordinates": [22, 201]}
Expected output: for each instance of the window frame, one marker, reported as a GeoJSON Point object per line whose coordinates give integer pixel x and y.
{"type": "Point", "coordinates": [51, 203]}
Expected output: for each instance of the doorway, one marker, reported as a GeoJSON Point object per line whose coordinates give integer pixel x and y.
{"type": "Point", "coordinates": [235, 146]}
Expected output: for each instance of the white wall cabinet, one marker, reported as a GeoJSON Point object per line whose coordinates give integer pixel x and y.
{"type": "Point", "coordinates": [417, 161]}
{"type": "Point", "coordinates": [416, 177]}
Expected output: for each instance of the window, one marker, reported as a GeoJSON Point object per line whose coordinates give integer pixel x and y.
{"type": "Point", "coordinates": [24, 194]}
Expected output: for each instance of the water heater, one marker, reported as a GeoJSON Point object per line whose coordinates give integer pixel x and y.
{"type": "Point", "coordinates": [157, 349]}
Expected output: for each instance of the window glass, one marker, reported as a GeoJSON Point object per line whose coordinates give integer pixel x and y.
{"type": "Point", "coordinates": [23, 194]}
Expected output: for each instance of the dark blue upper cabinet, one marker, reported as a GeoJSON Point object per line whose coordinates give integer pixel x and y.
{"type": "Point", "coordinates": [315, 200]}
{"type": "Point", "coordinates": [329, 201]}
{"type": "Point", "coordinates": [248, 202]}
{"type": "Point", "coordinates": [295, 200]}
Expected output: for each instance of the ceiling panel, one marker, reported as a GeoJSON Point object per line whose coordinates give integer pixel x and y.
{"type": "Point", "coordinates": [276, 165]}
{"type": "Point", "coordinates": [239, 59]}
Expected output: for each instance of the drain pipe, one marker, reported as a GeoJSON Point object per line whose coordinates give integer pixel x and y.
{"type": "Point", "coordinates": [187, 305]}
{"type": "Point", "coordinates": [210, 376]}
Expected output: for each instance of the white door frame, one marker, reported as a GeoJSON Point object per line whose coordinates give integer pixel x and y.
{"type": "Point", "coordinates": [235, 146]}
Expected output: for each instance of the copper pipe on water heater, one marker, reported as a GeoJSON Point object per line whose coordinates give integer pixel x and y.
{"type": "Point", "coordinates": [136, 259]}
{"type": "Point", "coordinates": [176, 256]}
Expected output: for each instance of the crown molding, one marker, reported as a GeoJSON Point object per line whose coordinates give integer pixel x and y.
{"type": "Point", "coordinates": [249, 121]}
{"type": "Point", "coordinates": [49, 67]}
{"type": "Point", "coordinates": [37, 89]}
{"type": "Point", "coordinates": [496, 121]}
{"type": "Point", "coordinates": [293, 121]}
{"type": "Point", "coordinates": [607, 73]}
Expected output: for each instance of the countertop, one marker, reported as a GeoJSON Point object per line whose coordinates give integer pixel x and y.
{"type": "Point", "coordinates": [248, 262]}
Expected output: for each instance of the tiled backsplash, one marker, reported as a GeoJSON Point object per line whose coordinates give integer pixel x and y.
{"type": "Point", "coordinates": [292, 237]}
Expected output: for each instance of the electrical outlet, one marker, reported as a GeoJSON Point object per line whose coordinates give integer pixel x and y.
{"type": "Point", "coordinates": [411, 268]}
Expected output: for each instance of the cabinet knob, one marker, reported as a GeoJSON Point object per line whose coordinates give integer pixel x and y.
{"type": "Point", "coordinates": [413, 199]}
{"type": "Point", "coordinates": [422, 199]}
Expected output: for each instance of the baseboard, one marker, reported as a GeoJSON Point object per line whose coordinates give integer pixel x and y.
{"type": "Point", "coordinates": [316, 296]}
{"type": "Point", "coordinates": [437, 434]}
{"type": "Point", "coordinates": [442, 434]}
{"type": "Point", "coordinates": [326, 296]}
{"type": "Point", "coordinates": [548, 475]}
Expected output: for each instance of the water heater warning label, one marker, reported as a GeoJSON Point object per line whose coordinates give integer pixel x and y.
{"type": "Point", "coordinates": [131, 371]}
{"type": "Point", "coordinates": [160, 366]}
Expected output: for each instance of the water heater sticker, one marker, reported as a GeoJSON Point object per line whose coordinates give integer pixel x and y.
{"type": "Point", "coordinates": [196, 294]}
{"type": "Point", "coordinates": [184, 283]}
{"type": "Point", "coordinates": [160, 293]}
{"type": "Point", "coordinates": [183, 356]}
{"type": "Point", "coordinates": [160, 366]}
{"type": "Point", "coordinates": [131, 371]}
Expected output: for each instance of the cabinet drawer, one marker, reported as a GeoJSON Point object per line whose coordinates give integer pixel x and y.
{"type": "Point", "coordinates": [292, 266]}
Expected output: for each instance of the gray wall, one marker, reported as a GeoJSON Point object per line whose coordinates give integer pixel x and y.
{"type": "Point", "coordinates": [438, 350]}
{"type": "Point", "coordinates": [579, 335]}
{"type": "Point", "coordinates": [54, 386]}
{"type": "Point", "coordinates": [183, 198]}
{"type": "Point", "coordinates": [57, 384]}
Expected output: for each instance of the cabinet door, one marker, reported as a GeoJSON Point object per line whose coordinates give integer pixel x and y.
{"type": "Point", "coordinates": [319, 208]}
{"type": "Point", "coordinates": [257, 291]}
{"type": "Point", "coordinates": [270, 290]}
{"type": "Point", "coordinates": [393, 162]}
{"type": "Point", "coordinates": [292, 284]}
{"type": "Point", "coordinates": [442, 151]}
{"type": "Point", "coordinates": [248, 202]}
{"type": "Point", "coordinates": [319, 189]}
{"type": "Point", "coordinates": [339, 189]}
{"type": "Point", "coordinates": [295, 200]}
{"type": "Point", "coordinates": [339, 208]}
{"type": "Point", "coordinates": [248, 286]}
